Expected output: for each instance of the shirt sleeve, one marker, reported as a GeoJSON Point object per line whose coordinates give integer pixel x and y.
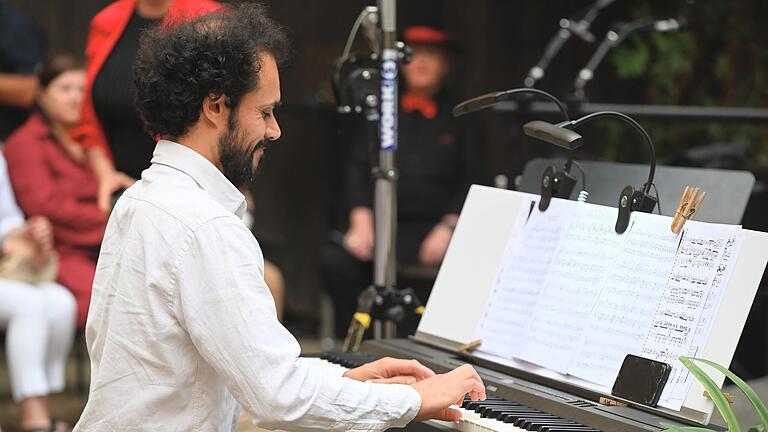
{"type": "Point", "coordinates": [228, 311]}
{"type": "Point", "coordinates": [10, 214]}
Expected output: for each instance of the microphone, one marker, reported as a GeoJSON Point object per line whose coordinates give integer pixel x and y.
{"type": "Point", "coordinates": [612, 39]}
{"type": "Point", "coordinates": [568, 27]}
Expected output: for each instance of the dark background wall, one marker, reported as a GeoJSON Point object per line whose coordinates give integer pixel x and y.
{"type": "Point", "coordinates": [297, 192]}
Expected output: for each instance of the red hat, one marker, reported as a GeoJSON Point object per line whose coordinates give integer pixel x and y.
{"type": "Point", "coordinates": [424, 35]}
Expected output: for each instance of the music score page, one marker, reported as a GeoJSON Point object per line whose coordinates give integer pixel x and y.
{"type": "Point", "coordinates": [573, 296]}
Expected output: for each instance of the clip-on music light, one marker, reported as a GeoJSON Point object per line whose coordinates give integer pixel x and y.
{"type": "Point", "coordinates": [561, 135]}
{"type": "Point", "coordinates": [555, 182]}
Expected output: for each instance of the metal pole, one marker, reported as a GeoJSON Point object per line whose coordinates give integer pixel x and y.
{"type": "Point", "coordinates": [385, 192]}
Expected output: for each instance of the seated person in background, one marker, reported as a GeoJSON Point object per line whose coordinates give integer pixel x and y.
{"type": "Point", "coordinates": [438, 158]}
{"type": "Point", "coordinates": [38, 315]}
{"type": "Point", "coordinates": [51, 177]}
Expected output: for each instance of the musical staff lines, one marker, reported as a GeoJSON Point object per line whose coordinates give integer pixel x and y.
{"type": "Point", "coordinates": [682, 319]}
{"type": "Point", "coordinates": [574, 297]}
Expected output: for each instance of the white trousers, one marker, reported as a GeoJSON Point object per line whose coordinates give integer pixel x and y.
{"type": "Point", "coordinates": [40, 327]}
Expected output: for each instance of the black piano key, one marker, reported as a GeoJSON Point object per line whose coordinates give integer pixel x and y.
{"type": "Point", "coordinates": [516, 418]}
{"type": "Point", "coordinates": [561, 426]}
{"type": "Point", "coordinates": [476, 405]}
{"type": "Point", "coordinates": [517, 411]}
{"type": "Point", "coordinates": [526, 421]}
{"type": "Point", "coordinates": [566, 428]}
{"type": "Point", "coordinates": [496, 412]}
{"type": "Point", "coordinates": [512, 416]}
{"type": "Point", "coordinates": [537, 424]}
{"type": "Point", "coordinates": [484, 409]}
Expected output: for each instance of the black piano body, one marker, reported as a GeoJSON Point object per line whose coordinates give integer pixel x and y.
{"type": "Point", "coordinates": [540, 393]}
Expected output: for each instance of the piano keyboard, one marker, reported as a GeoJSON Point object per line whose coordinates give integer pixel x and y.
{"type": "Point", "coordinates": [492, 414]}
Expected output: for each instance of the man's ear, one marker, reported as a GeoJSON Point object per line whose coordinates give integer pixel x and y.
{"type": "Point", "coordinates": [215, 110]}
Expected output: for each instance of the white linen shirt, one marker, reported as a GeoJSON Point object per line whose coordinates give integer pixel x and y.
{"type": "Point", "coordinates": [182, 326]}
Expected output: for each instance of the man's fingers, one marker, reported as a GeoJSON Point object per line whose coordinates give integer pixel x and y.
{"type": "Point", "coordinates": [474, 388]}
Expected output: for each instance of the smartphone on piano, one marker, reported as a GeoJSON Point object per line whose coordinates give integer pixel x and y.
{"type": "Point", "coordinates": [641, 380]}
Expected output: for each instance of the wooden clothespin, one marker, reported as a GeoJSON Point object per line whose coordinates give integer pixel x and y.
{"type": "Point", "coordinates": [610, 402]}
{"type": "Point", "coordinates": [690, 203]}
{"type": "Point", "coordinates": [470, 346]}
{"type": "Point", "coordinates": [729, 397]}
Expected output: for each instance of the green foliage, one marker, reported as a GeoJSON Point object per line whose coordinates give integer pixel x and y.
{"type": "Point", "coordinates": [720, 59]}
{"type": "Point", "coordinates": [754, 399]}
{"type": "Point", "coordinates": [718, 397]}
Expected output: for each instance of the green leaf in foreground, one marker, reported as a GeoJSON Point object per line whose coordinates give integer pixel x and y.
{"type": "Point", "coordinates": [715, 393]}
{"type": "Point", "coordinates": [745, 388]}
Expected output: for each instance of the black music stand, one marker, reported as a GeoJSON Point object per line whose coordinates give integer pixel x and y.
{"type": "Point", "coordinates": [728, 191]}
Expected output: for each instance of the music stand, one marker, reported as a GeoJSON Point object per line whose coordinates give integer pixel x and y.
{"type": "Point", "coordinates": [728, 191]}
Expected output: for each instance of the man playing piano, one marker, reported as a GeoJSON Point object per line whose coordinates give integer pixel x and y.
{"type": "Point", "coordinates": [182, 330]}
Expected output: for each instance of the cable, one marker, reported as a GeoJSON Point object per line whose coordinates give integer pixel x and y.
{"type": "Point", "coordinates": [353, 33]}
{"type": "Point", "coordinates": [633, 123]}
{"type": "Point", "coordinates": [583, 176]}
{"type": "Point", "coordinates": [658, 200]}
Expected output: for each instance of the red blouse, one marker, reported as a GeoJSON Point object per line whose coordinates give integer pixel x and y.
{"type": "Point", "coordinates": [105, 31]}
{"type": "Point", "coordinates": [47, 181]}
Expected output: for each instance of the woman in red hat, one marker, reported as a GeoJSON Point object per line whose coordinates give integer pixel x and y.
{"type": "Point", "coordinates": [438, 158]}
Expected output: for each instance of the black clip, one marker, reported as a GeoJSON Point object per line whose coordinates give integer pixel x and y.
{"type": "Point", "coordinates": [555, 183]}
{"type": "Point", "coordinates": [632, 200]}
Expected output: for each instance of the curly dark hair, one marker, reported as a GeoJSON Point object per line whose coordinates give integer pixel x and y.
{"type": "Point", "coordinates": [183, 61]}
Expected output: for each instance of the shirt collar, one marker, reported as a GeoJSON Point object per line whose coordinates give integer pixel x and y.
{"type": "Point", "coordinates": [203, 172]}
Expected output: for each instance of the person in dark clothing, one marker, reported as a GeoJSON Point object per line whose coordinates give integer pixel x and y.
{"type": "Point", "coordinates": [110, 130]}
{"type": "Point", "coordinates": [22, 50]}
{"type": "Point", "coordinates": [438, 158]}
{"type": "Point", "coordinates": [113, 100]}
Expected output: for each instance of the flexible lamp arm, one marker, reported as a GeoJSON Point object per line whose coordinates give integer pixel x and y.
{"type": "Point", "coordinates": [491, 99]}
{"type": "Point", "coordinates": [633, 123]}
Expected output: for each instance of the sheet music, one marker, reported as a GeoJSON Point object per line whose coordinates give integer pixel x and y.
{"type": "Point", "coordinates": [574, 297]}
{"type": "Point", "coordinates": [682, 319]}
{"type": "Point", "coordinates": [623, 312]}
{"type": "Point", "coordinates": [516, 288]}
{"type": "Point", "coordinates": [577, 273]}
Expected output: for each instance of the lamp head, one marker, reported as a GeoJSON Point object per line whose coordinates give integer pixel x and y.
{"type": "Point", "coordinates": [554, 134]}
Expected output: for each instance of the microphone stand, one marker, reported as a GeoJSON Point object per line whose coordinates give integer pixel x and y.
{"type": "Point", "coordinates": [612, 39]}
{"type": "Point", "coordinates": [370, 86]}
{"type": "Point", "coordinates": [568, 27]}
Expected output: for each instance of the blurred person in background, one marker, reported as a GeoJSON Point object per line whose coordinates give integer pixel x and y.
{"type": "Point", "coordinates": [117, 146]}
{"type": "Point", "coordinates": [38, 315]}
{"type": "Point", "coordinates": [22, 50]}
{"type": "Point", "coordinates": [51, 176]}
{"type": "Point", "coordinates": [438, 158]}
